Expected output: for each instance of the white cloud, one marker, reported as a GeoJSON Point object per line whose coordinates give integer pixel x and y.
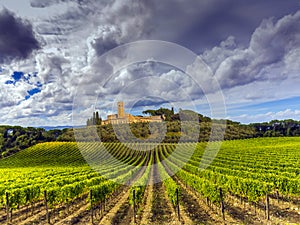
{"type": "Point", "coordinates": [215, 56]}
{"type": "Point", "coordinates": [271, 54]}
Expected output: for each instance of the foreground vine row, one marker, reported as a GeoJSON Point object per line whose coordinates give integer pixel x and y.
{"type": "Point", "coordinates": [251, 170]}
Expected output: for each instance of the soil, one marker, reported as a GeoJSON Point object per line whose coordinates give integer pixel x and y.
{"type": "Point", "coordinates": [145, 216]}
{"type": "Point", "coordinates": [282, 212]}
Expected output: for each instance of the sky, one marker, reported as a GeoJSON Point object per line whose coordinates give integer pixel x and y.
{"type": "Point", "coordinates": [51, 57]}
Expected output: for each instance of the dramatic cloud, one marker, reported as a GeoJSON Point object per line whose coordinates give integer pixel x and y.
{"type": "Point", "coordinates": [252, 48]}
{"type": "Point", "coordinates": [50, 67]}
{"type": "Point", "coordinates": [201, 25]}
{"type": "Point", "coordinates": [122, 22]}
{"type": "Point", "coordinates": [271, 54]}
{"type": "Point", "coordinates": [218, 54]}
{"type": "Point", "coordinates": [17, 39]}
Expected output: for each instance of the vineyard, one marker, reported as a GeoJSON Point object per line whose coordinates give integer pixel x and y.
{"type": "Point", "coordinates": [253, 181]}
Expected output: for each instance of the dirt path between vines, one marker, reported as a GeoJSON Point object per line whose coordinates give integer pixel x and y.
{"type": "Point", "coordinates": [162, 211]}
{"type": "Point", "coordinates": [195, 207]}
{"type": "Point", "coordinates": [108, 217]}
{"type": "Point", "coordinates": [121, 212]}
{"type": "Point", "coordinates": [21, 213]}
{"type": "Point", "coordinates": [55, 214]}
{"type": "Point", "coordinates": [280, 213]}
{"type": "Point", "coordinates": [149, 198]}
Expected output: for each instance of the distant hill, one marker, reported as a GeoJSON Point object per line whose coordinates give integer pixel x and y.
{"type": "Point", "coordinates": [47, 128]}
{"type": "Point", "coordinates": [55, 127]}
{"type": "Point", "coordinates": [46, 154]}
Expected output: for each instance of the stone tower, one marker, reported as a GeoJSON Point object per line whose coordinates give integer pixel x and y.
{"type": "Point", "coordinates": [121, 113]}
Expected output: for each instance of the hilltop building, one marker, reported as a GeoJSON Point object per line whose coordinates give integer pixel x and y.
{"type": "Point", "coordinates": [123, 117]}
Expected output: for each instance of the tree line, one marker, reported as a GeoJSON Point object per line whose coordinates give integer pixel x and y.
{"type": "Point", "coordinates": [277, 128]}
{"type": "Point", "coordinates": [16, 138]}
{"type": "Point", "coordinates": [94, 120]}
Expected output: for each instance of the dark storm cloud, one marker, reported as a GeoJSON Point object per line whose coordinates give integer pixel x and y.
{"type": "Point", "coordinates": [243, 56]}
{"type": "Point", "coordinates": [107, 42]}
{"type": "Point", "coordinates": [17, 39]}
{"type": "Point", "coordinates": [122, 22]}
{"type": "Point", "coordinates": [201, 25]}
{"type": "Point", "coordinates": [198, 25]}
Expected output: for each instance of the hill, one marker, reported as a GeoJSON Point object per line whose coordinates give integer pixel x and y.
{"type": "Point", "coordinates": [46, 154]}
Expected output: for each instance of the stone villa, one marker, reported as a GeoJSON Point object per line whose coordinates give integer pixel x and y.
{"type": "Point", "coordinates": [123, 117]}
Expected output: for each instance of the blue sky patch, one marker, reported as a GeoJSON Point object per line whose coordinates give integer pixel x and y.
{"type": "Point", "coordinates": [9, 82]}
{"type": "Point", "coordinates": [32, 92]}
{"type": "Point", "coordinates": [292, 103]}
{"type": "Point", "coordinates": [17, 75]}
